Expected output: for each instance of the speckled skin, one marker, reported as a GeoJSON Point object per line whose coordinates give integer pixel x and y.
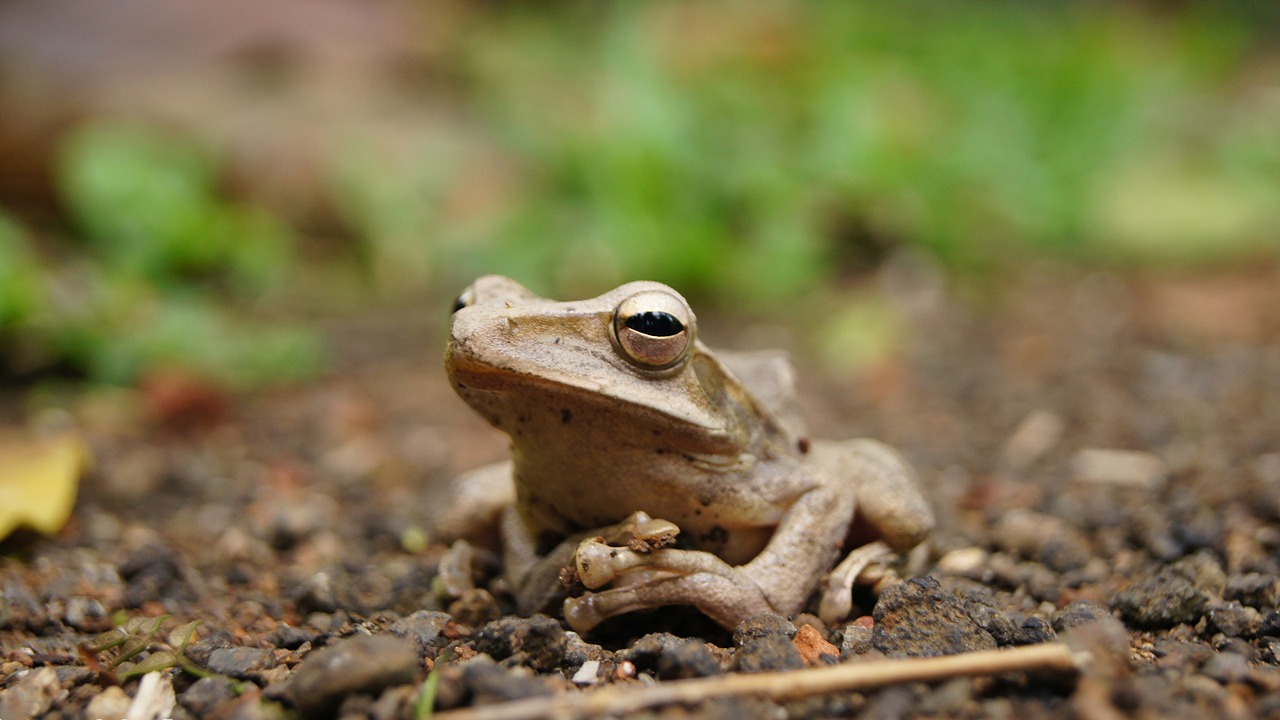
{"type": "Point", "coordinates": [596, 438]}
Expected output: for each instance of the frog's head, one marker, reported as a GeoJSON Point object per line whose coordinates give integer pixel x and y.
{"type": "Point", "coordinates": [632, 351]}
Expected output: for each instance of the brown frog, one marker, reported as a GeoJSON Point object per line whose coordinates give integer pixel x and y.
{"type": "Point", "coordinates": [629, 436]}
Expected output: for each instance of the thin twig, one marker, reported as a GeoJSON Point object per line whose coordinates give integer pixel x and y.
{"type": "Point", "coordinates": [781, 685]}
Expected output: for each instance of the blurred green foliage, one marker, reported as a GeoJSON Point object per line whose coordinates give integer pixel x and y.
{"type": "Point", "coordinates": [758, 151]}
{"type": "Point", "coordinates": [164, 253]}
{"type": "Point", "coordinates": [750, 153]}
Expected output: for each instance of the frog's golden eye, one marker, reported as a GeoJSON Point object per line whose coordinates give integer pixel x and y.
{"type": "Point", "coordinates": [467, 297]}
{"type": "Point", "coordinates": [654, 329]}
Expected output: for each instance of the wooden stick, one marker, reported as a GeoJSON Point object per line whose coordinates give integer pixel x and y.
{"type": "Point", "coordinates": [619, 699]}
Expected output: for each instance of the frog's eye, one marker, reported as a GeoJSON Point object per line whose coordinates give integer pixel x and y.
{"type": "Point", "coordinates": [654, 329]}
{"type": "Point", "coordinates": [467, 297]}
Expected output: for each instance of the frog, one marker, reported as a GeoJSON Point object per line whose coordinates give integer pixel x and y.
{"type": "Point", "coordinates": [657, 472]}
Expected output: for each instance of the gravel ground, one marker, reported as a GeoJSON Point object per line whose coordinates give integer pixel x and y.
{"type": "Point", "coordinates": [1103, 454]}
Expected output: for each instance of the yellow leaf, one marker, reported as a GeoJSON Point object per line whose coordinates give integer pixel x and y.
{"type": "Point", "coordinates": [38, 480]}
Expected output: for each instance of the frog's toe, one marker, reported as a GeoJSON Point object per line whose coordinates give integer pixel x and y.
{"type": "Point", "coordinates": [581, 613]}
{"type": "Point", "coordinates": [596, 563]}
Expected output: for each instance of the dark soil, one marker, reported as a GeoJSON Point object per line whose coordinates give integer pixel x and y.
{"type": "Point", "coordinates": [1103, 454]}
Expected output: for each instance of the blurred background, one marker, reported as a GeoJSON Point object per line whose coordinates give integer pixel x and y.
{"type": "Point", "coordinates": [208, 186]}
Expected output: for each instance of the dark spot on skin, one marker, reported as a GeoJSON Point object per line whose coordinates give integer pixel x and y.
{"type": "Point", "coordinates": [557, 341]}
{"type": "Point", "coordinates": [705, 500]}
{"type": "Point", "coordinates": [461, 386]}
{"type": "Point", "coordinates": [565, 416]}
{"type": "Point", "coordinates": [522, 419]}
{"type": "Point", "coordinates": [661, 451]}
{"type": "Point", "coordinates": [656, 432]}
{"type": "Point", "coordinates": [717, 535]}
{"type": "Point", "coordinates": [697, 511]}
{"type": "Point", "coordinates": [802, 445]}
{"type": "Point", "coordinates": [688, 457]}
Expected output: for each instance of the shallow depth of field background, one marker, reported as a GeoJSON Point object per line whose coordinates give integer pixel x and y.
{"type": "Point", "coordinates": [203, 186]}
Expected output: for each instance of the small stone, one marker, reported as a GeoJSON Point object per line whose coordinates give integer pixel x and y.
{"type": "Point", "coordinates": [292, 638]}
{"type": "Point", "coordinates": [538, 642]}
{"type": "Point", "coordinates": [204, 696]}
{"type": "Point", "coordinates": [672, 657]}
{"type": "Point", "coordinates": [917, 618]}
{"type": "Point", "coordinates": [964, 561]}
{"type": "Point", "coordinates": [1233, 619]}
{"type": "Point", "coordinates": [767, 653]}
{"type": "Point", "coordinates": [32, 695]}
{"type": "Point", "coordinates": [489, 683]}
{"type": "Point", "coordinates": [1080, 612]}
{"type": "Point", "coordinates": [242, 663]}
{"type": "Point", "coordinates": [1227, 667]}
{"type": "Point", "coordinates": [152, 572]}
{"type": "Point", "coordinates": [424, 628]}
{"type": "Point", "coordinates": [1044, 538]}
{"type": "Point", "coordinates": [1203, 570]}
{"type": "Point", "coordinates": [762, 625]}
{"type": "Point", "coordinates": [981, 606]}
{"type": "Point", "coordinates": [1035, 435]}
{"type": "Point", "coordinates": [475, 607]}
{"type": "Point", "coordinates": [1129, 468]}
{"type": "Point", "coordinates": [588, 674]}
{"type": "Point", "coordinates": [355, 665]}
{"type": "Point", "coordinates": [113, 702]}
{"type": "Point", "coordinates": [857, 638]}
{"type": "Point", "coordinates": [813, 648]}
{"type": "Point", "coordinates": [1254, 589]}
{"type": "Point", "coordinates": [1270, 626]}
{"type": "Point", "coordinates": [1162, 601]}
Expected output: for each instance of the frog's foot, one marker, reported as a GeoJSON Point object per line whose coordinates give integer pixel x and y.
{"type": "Point", "coordinates": [837, 596]}
{"type": "Point", "coordinates": [726, 600]}
{"type": "Point", "coordinates": [660, 577]}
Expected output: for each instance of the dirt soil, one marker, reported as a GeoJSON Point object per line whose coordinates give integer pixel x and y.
{"type": "Point", "coordinates": [1103, 454]}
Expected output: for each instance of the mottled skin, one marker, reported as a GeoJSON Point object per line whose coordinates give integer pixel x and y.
{"type": "Point", "coordinates": [604, 439]}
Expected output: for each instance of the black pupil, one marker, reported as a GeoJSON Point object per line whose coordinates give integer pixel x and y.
{"type": "Point", "coordinates": [458, 304]}
{"type": "Point", "coordinates": [655, 323]}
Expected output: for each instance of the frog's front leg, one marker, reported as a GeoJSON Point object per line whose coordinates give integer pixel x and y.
{"type": "Point", "coordinates": [536, 579]}
{"type": "Point", "coordinates": [779, 579]}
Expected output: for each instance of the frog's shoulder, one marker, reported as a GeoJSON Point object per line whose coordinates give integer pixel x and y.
{"type": "Point", "coordinates": [770, 377]}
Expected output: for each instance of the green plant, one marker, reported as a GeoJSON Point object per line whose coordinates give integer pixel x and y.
{"type": "Point", "coordinates": [116, 647]}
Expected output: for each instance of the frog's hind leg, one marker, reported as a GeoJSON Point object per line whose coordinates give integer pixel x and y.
{"type": "Point", "coordinates": [837, 596]}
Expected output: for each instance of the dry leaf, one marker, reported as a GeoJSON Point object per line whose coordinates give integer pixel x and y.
{"type": "Point", "coordinates": [38, 480]}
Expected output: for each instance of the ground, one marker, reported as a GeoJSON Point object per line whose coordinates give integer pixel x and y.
{"type": "Point", "coordinates": [1101, 450]}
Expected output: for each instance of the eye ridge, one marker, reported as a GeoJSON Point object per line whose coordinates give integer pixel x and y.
{"type": "Point", "coordinates": [655, 323]}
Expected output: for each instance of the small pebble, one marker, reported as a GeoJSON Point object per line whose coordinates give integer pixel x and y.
{"type": "Point", "coordinates": [490, 683]}
{"type": "Point", "coordinates": [32, 695]}
{"type": "Point", "coordinates": [242, 663]}
{"type": "Point", "coordinates": [762, 625]}
{"type": "Point", "coordinates": [204, 696]}
{"type": "Point", "coordinates": [1227, 667]}
{"type": "Point", "coordinates": [425, 628]}
{"type": "Point", "coordinates": [1254, 589]}
{"type": "Point", "coordinates": [767, 653]}
{"type": "Point", "coordinates": [587, 674]}
{"type": "Point", "coordinates": [857, 638]}
{"type": "Point", "coordinates": [112, 702]}
{"type": "Point", "coordinates": [672, 657]}
{"type": "Point", "coordinates": [1035, 435]}
{"type": "Point", "coordinates": [364, 664]}
{"type": "Point", "coordinates": [1233, 619]}
{"type": "Point", "coordinates": [813, 648]}
{"type": "Point", "coordinates": [917, 618]}
{"type": "Point", "coordinates": [1163, 601]}
{"type": "Point", "coordinates": [1131, 468]}
{"type": "Point", "coordinates": [538, 642]}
